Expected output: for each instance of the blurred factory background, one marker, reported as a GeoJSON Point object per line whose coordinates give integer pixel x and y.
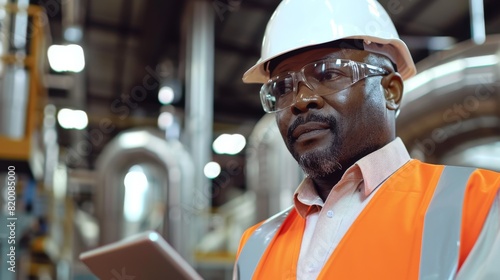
{"type": "Point", "coordinates": [121, 116]}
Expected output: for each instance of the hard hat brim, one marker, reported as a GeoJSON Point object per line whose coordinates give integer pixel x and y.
{"type": "Point", "coordinates": [395, 49]}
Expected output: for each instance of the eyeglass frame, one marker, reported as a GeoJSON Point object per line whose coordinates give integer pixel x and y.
{"type": "Point", "coordinates": [359, 71]}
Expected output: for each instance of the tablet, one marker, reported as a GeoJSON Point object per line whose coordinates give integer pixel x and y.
{"type": "Point", "coordinates": [142, 256]}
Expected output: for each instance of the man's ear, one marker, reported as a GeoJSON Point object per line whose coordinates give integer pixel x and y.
{"type": "Point", "coordinates": [393, 90]}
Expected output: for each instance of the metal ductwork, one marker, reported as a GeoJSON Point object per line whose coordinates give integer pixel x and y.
{"type": "Point", "coordinates": [272, 172]}
{"type": "Point", "coordinates": [145, 182]}
{"type": "Point", "coordinates": [450, 112]}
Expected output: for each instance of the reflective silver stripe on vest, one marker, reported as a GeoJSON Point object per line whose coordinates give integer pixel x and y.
{"type": "Point", "coordinates": [254, 248]}
{"type": "Point", "coordinates": [442, 225]}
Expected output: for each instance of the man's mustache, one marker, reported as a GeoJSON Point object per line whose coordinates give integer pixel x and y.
{"type": "Point", "coordinates": [329, 120]}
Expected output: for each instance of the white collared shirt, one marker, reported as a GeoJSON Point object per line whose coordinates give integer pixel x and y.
{"type": "Point", "coordinates": [327, 222]}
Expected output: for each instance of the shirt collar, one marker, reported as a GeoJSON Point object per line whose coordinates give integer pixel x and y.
{"type": "Point", "coordinates": [373, 169]}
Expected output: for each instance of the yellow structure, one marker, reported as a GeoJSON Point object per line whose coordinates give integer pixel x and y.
{"type": "Point", "coordinates": [34, 61]}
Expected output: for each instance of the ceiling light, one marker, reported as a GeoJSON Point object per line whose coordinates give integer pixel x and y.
{"type": "Point", "coordinates": [166, 95]}
{"type": "Point", "coordinates": [165, 120]}
{"type": "Point", "coordinates": [66, 58]}
{"type": "Point", "coordinates": [230, 144]}
{"type": "Point", "coordinates": [212, 170]}
{"type": "Point", "coordinates": [72, 119]}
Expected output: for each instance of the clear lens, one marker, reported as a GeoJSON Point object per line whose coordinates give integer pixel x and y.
{"type": "Point", "coordinates": [333, 75]}
{"type": "Point", "coordinates": [324, 77]}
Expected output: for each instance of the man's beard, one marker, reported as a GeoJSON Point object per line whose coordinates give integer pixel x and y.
{"type": "Point", "coordinates": [318, 162]}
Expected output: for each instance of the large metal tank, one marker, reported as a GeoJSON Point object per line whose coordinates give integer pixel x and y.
{"type": "Point", "coordinates": [451, 110]}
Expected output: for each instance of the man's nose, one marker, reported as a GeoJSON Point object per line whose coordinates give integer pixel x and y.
{"type": "Point", "coordinates": [307, 99]}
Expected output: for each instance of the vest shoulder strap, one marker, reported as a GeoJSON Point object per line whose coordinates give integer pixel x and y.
{"type": "Point", "coordinates": [254, 248]}
{"type": "Point", "coordinates": [442, 224]}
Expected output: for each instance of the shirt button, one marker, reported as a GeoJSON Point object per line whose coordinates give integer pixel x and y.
{"type": "Point", "coordinates": [329, 214]}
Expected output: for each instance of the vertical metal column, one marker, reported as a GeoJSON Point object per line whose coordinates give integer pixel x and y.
{"type": "Point", "coordinates": [199, 105]}
{"type": "Point", "coordinates": [73, 15]}
{"type": "Point", "coordinates": [478, 30]}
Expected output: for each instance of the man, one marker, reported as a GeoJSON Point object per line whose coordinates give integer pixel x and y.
{"type": "Point", "coordinates": [332, 72]}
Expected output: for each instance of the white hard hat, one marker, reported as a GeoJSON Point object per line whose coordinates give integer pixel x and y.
{"type": "Point", "coordinates": [299, 23]}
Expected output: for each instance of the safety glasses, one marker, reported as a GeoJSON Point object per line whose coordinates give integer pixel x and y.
{"type": "Point", "coordinates": [324, 77]}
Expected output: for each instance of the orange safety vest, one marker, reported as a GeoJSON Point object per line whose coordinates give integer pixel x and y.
{"type": "Point", "coordinates": [385, 241]}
